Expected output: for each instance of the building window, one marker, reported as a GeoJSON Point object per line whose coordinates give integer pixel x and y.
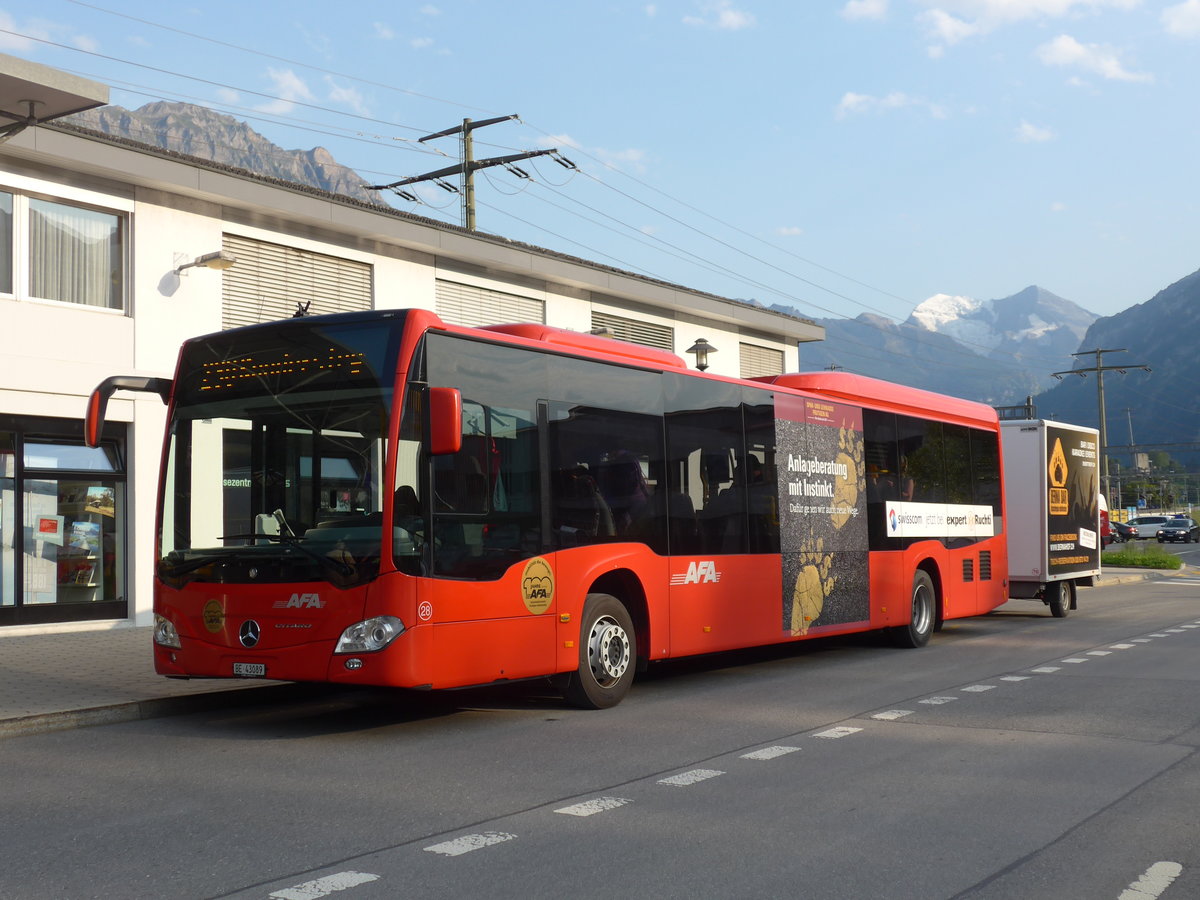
{"type": "Point", "coordinates": [75, 255]}
{"type": "Point", "coordinates": [51, 250]}
{"type": "Point", "coordinates": [466, 304]}
{"type": "Point", "coordinates": [62, 525]}
{"type": "Point", "coordinates": [634, 331]}
{"type": "Point", "coordinates": [757, 362]}
{"type": "Point", "coordinates": [273, 281]}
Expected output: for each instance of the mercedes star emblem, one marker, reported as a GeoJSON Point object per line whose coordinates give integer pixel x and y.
{"type": "Point", "coordinates": [249, 633]}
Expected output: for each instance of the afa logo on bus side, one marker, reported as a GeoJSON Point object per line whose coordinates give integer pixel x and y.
{"type": "Point", "coordinates": [537, 585]}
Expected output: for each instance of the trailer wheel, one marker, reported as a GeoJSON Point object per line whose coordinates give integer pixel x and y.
{"type": "Point", "coordinates": [607, 653]}
{"type": "Point", "coordinates": [924, 613]}
{"type": "Point", "coordinates": [1060, 597]}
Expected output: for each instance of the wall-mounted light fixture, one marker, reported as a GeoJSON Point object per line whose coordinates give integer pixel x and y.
{"type": "Point", "coordinates": [218, 259]}
{"type": "Point", "coordinates": [701, 349]}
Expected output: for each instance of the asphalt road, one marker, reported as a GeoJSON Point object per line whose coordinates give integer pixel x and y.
{"type": "Point", "coordinates": [1018, 756]}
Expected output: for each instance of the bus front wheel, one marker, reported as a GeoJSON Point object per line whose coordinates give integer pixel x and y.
{"type": "Point", "coordinates": [924, 613]}
{"type": "Point", "coordinates": [607, 653]}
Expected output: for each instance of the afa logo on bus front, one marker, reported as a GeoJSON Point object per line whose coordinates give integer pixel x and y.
{"type": "Point", "coordinates": [537, 585]}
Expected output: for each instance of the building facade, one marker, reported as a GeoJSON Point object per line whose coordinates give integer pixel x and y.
{"type": "Point", "coordinates": [105, 255]}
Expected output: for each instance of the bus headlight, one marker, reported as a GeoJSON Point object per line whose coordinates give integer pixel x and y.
{"type": "Point", "coordinates": [370, 635]}
{"type": "Point", "coordinates": [165, 634]}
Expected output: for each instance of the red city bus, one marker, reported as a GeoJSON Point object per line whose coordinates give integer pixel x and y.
{"type": "Point", "coordinates": [381, 498]}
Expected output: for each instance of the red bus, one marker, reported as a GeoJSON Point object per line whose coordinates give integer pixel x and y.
{"type": "Point", "coordinates": [381, 498]}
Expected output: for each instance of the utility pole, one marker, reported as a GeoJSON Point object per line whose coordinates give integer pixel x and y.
{"type": "Point", "coordinates": [1099, 368]}
{"type": "Point", "coordinates": [469, 166]}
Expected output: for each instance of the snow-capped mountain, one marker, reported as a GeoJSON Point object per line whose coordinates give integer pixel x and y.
{"type": "Point", "coordinates": [994, 351]}
{"type": "Point", "coordinates": [1033, 324]}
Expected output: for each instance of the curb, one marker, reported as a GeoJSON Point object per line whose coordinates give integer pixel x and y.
{"type": "Point", "coordinates": [137, 710]}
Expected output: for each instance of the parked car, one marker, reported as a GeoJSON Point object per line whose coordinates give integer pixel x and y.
{"type": "Point", "coordinates": [1147, 526]}
{"type": "Point", "coordinates": [1123, 532]}
{"type": "Point", "coordinates": [1185, 530]}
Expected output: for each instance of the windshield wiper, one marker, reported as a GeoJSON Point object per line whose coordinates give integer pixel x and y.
{"type": "Point", "coordinates": [292, 541]}
{"type": "Point", "coordinates": [172, 570]}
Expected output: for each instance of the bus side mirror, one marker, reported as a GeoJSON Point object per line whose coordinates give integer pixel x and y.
{"type": "Point", "coordinates": [445, 420]}
{"type": "Point", "coordinates": [93, 422]}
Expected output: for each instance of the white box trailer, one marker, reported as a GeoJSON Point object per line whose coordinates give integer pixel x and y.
{"type": "Point", "coordinates": [1052, 510]}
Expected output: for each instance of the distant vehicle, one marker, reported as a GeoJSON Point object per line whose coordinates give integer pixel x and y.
{"type": "Point", "coordinates": [1147, 526]}
{"type": "Point", "coordinates": [1107, 535]}
{"type": "Point", "coordinates": [1123, 532]}
{"type": "Point", "coordinates": [1185, 530]}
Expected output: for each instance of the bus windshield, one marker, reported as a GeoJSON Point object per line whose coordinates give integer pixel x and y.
{"type": "Point", "coordinates": [275, 454]}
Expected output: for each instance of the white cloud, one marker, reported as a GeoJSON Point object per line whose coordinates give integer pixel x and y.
{"type": "Point", "coordinates": [1098, 59]}
{"type": "Point", "coordinates": [421, 43]}
{"type": "Point", "coordinates": [865, 9]}
{"type": "Point", "coordinates": [1183, 19]}
{"type": "Point", "coordinates": [1033, 134]}
{"type": "Point", "coordinates": [721, 15]}
{"type": "Point", "coordinates": [852, 103]}
{"type": "Point", "coordinates": [346, 96]}
{"type": "Point", "coordinates": [1058, 206]}
{"type": "Point", "coordinates": [429, 10]}
{"type": "Point", "coordinates": [623, 159]}
{"type": "Point", "coordinates": [951, 21]}
{"type": "Point", "coordinates": [558, 140]}
{"type": "Point", "coordinates": [789, 230]}
{"type": "Point", "coordinates": [229, 96]}
{"type": "Point", "coordinates": [383, 31]}
{"type": "Point", "coordinates": [651, 10]}
{"type": "Point", "coordinates": [289, 87]}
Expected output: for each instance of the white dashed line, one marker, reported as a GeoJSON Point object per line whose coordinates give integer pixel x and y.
{"type": "Point", "coordinates": [892, 714]}
{"type": "Point", "coordinates": [979, 688]}
{"type": "Point", "coordinates": [469, 842]}
{"type": "Point", "coordinates": [1174, 631]}
{"type": "Point", "coordinates": [1014, 677]}
{"type": "Point", "coordinates": [769, 752]}
{"type": "Point", "coordinates": [937, 701]}
{"type": "Point", "coordinates": [840, 732]}
{"type": "Point", "coordinates": [1159, 634]}
{"type": "Point", "coordinates": [693, 777]}
{"type": "Point", "coordinates": [1046, 670]}
{"type": "Point", "coordinates": [591, 807]}
{"type": "Point", "coordinates": [1141, 640]}
{"type": "Point", "coordinates": [1099, 653]}
{"type": "Point", "coordinates": [1191, 626]}
{"type": "Point", "coordinates": [1121, 646]}
{"type": "Point", "coordinates": [1153, 882]}
{"type": "Point", "coordinates": [323, 887]}
{"type": "Point", "coordinates": [1075, 659]}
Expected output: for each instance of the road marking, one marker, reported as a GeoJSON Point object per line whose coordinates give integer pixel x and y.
{"type": "Point", "coordinates": [591, 807]}
{"type": "Point", "coordinates": [1014, 677]}
{"type": "Point", "coordinates": [1191, 626]}
{"type": "Point", "coordinates": [892, 715]}
{"type": "Point", "coordinates": [469, 842]}
{"type": "Point", "coordinates": [1174, 631]}
{"type": "Point", "coordinates": [1099, 653]}
{"type": "Point", "coordinates": [1160, 634]}
{"type": "Point", "coordinates": [1075, 659]}
{"type": "Point", "coordinates": [979, 688]}
{"type": "Point", "coordinates": [937, 701]}
{"type": "Point", "coordinates": [840, 732]}
{"type": "Point", "coordinates": [1153, 882]}
{"type": "Point", "coordinates": [695, 776]}
{"type": "Point", "coordinates": [323, 887]}
{"type": "Point", "coordinates": [1046, 670]}
{"type": "Point", "coordinates": [1142, 640]}
{"type": "Point", "coordinates": [769, 752]}
{"type": "Point", "coordinates": [1121, 646]}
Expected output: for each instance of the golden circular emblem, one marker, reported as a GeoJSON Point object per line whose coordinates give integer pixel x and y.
{"type": "Point", "coordinates": [213, 615]}
{"type": "Point", "coordinates": [537, 585]}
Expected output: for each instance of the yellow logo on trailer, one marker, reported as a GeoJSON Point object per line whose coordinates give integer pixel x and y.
{"type": "Point", "coordinates": [1060, 501]}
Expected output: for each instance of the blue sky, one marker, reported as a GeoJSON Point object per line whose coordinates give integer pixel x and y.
{"type": "Point", "coordinates": [840, 157]}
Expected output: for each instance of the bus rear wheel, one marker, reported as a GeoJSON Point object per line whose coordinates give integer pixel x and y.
{"type": "Point", "coordinates": [924, 613]}
{"type": "Point", "coordinates": [607, 653]}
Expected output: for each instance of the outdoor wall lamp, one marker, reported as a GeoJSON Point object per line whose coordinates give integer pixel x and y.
{"type": "Point", "coordinates": [218, 259]}
{"type": "Point", "coordinates": [701, 349]}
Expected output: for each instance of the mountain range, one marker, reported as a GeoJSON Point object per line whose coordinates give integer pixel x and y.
{"type": "Point", "coordinates": [997, 352]}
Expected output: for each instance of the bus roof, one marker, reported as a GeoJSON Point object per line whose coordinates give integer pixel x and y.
{"type": "Point", "coordinates": [853, 388]}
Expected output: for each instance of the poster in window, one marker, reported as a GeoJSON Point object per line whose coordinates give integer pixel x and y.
{"type": "Point", "coordinates": [85, 537]}
{"type": "Point", "coordinates": [823, 521]}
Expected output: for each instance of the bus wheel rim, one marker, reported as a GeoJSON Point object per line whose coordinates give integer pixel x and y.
{"type": "Point", "coordinates": [922, 609]}
{"type": "Point", "coordinates": [608, 651]}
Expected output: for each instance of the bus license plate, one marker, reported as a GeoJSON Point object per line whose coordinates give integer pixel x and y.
{"type": "Point", "coordinates": [250, 670]}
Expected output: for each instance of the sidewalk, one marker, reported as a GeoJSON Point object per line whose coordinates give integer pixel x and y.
{"type": "Point", "coordinates": [54, 681]}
